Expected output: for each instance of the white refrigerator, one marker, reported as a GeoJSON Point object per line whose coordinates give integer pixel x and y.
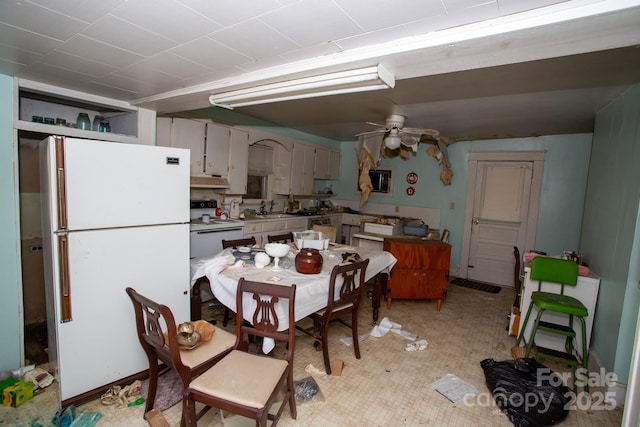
{"type": "Point", "coordinates": [114, 215]}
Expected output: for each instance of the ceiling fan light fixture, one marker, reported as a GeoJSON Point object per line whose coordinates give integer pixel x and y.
{"type": "Point", "coordinates": [358, 80]}
{"type": "Point", "coordinates": [392, 142]}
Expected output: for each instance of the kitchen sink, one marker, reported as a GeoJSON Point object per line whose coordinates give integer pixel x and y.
{"type": "Point", "coordinates": [273, 216]}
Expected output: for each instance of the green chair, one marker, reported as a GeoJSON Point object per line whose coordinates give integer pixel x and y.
{"type": "Point", "coordinates": [564, 273]}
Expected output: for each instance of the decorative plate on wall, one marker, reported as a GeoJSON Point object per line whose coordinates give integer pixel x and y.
{"type": "Point", "coordinates": [412, 178]}
{"type": "Point", "coordinates": [411, 191]}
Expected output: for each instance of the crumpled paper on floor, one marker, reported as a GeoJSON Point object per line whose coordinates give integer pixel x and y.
{"type": "Point", "coordinates": [381, 330]}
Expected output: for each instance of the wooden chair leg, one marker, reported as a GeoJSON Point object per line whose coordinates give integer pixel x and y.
{"type": "Point", "coordinates": [354, 333]}
{"type": "Point", "coordinates": [153, 384]}
{"type": "Point", "coordinates": [325, 348]}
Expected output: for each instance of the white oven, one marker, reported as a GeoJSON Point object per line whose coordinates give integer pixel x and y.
{"type": "Point", "coordinates": [205, 239]}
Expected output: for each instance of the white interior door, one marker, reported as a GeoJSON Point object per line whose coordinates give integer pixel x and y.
{"type": "Point", "coordinates": [502, 204]}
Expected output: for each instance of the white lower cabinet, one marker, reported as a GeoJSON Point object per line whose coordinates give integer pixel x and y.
{"type": "Point", "coordinates": [261, 229]}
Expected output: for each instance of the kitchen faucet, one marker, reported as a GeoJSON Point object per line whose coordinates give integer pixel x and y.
{"type": "Point", "coordinates": [271, 203]}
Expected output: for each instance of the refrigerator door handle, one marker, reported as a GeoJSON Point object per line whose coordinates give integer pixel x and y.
{"type": "Point", "coordinates": [61, 184]}
{"type": "Point", "coordinates": [65, 282]}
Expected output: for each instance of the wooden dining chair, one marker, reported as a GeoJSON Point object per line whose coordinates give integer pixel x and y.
{"type": "Point", "coordinates": [281, 238]}
{"type": "Point", "coordinates": [245, 383]}
{"type": "Point", "coordinates": [329, 231]}
{"type": "Point", "coordinates": [249, 241]}
{"type": "Point", "coordinates": [339, 304]}
{"type": "Point", "coordinates": [158, 335]}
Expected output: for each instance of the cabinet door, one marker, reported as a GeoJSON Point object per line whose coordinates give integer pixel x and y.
{"type": "Point", "coordinates": [282, 170]}
{"type": "Point", "coordinates": [217, 150]}
{"type": "Point", "coordinates": [189, 134]}
{"type": "Point", "coordinates": [321, 166]}
{"type": "Point", "coordinates": [333, 170]}
{"type": "Point", "coordinates": [302, 162]}
{"type": "Point", "coordinates": [163, 131]}
{"type": "Point", "coordinates": [238, 161]}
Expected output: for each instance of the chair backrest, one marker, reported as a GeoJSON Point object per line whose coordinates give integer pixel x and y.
{"type": "Point", "coordinates": [281, 238]}
{"type": "Point", "coordinates": [249, 241]}
{"type": "Point", "coordinates": [329, 231]}
{"type": "Point", "coordinates": [157, 330]}
{"type": "Point", "coordinates": [265, 321]}
{"type": "Point", "coordinates": [352, 286]}
{"type": "Point", "coordinates": [545, 269]}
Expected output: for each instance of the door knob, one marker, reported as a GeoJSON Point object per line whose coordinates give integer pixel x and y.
{"type": "Point", "coordinates": [475, 221]}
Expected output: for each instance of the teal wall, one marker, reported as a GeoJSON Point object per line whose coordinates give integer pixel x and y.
{"type": "Point", "coordinates": [564, 183]}
{"type": "Point", "coordinates": [10, 338]}
{"type": "Point", "coordinates": [610, 235]}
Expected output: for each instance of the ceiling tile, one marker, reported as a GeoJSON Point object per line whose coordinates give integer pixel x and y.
{"type": "Point", "coordinates": [374, 37]}
{"type": "Point", "coordinates": [321, 49]}
{"type": "Point", "coordinates": [116, 32]}
{"type": "Point", "coordinates": [18, 56]}
{"type": "Point", "coordinates": [508, 7]}
{"type": "Point", "coordinates": [378, 14]}
{"type": "Point", "coordinates": [108, 91]}
{"type": "Point", "coordinates": [210, 53]}
{"type": "Point", "coordinates": [293, 22]}
{"type": "Point", "coordinates": [255, 39]}
{"type": "Point", "coordinates": [142, 71]}
{"type": "Point", "coordinates": [175, 65]}
{"type": "Point", "coordinates": [227, 12]}
{"type": "Point", "coordinates": [161, 16]}
{"type": "Point", "coordinates": [141, 88]}
{"type": "Point", "coordinates": [87, 11]}
{"type": "Point", "coordinates": [39, 20]}
{"type": "Point", "coordinates": [27, 40]}
{"type": "Point", "coordinates": [100, 52]}
{"type": "Point", "coordinates": [77, 64]}
{"type": "Point", "coordinates": [56, 75]}
{"type": "Point", "coordinates": [10, 68]}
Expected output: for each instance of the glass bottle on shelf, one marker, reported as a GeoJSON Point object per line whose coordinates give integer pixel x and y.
{"type": "Point", "coordinates": [83, 122]}
{"type": "Point", "coordinates": [107, 127]}
{"type": "Point", "coordinates": [96, 123]}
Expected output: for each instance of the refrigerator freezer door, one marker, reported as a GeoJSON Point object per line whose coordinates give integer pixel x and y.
{"type": "Point", "coordinates": [99, 345]}
{"type": "Point", "coordinates": [110, 184]}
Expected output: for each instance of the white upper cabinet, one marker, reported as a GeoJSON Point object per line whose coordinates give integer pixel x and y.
{"type": "Point", "coordinates": [327, 163]}
{"type": "Point", "coordinates": [218, 139]}
{"type": "Point", "coordinates": [187, 133]}
{"type": "Point", "coordinates": [238, 161]}
{"type": "Point", "coordinates": [302, 165]}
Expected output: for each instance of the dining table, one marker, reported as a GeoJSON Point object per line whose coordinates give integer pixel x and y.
{"type": "Point", "coordinates": [224, 270]}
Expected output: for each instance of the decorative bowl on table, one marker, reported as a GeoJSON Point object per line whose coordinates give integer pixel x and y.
{"type": "Point", "coordinates": [277, 251]}
{"type": "Point", "coordinates": [261, 260]}
{"type": "Point", "coordinates": [244, 249]}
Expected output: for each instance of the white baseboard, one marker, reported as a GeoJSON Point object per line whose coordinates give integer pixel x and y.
{"type": "Point", "coordinates": [618, 390]}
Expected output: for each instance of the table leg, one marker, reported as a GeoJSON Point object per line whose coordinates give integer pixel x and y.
{"type": "Point", "coordinates": [379, 289]}
{"type": "Point", "coordinates": [196, 300]}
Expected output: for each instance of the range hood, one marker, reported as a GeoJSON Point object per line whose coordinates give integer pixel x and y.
{"type": "Point", "coordinates": [209, 182]}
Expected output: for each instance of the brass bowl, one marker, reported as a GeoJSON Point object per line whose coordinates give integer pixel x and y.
{"type": "Point", "coordinates": [190, 340]}
{"type": "Point", "coordinates": [186, 328]}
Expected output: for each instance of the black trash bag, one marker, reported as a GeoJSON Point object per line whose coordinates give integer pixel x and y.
{"type": "Point", "coordinates": [528, 392]}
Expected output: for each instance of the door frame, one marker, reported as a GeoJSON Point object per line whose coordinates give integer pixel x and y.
{"type": "Point", "coordinates": [537, 158]}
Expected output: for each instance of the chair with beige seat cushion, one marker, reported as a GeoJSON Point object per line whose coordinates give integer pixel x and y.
{"type": "Point", "coordinates": [329, 231]}
{"type": "Point", "coordinates": [158, 335]}
{"type": "Point", "coordinates": [350, 279]}
{"type": "Point", "coordinates": [244, 383]}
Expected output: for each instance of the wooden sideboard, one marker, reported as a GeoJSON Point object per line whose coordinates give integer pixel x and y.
{"type": "Point", "coordinates": [421, 271]}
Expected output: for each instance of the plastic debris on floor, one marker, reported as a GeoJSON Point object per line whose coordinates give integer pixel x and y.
{"type": "Point", "coordinates": [417, 345]}
{"type": "Point", "coordinates": [455, 389]}
{"type": "Point", "coordinates": [385, 326]}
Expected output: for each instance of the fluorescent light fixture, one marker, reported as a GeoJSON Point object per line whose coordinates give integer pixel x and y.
{"type": "Point", "coordinates": [360, 80]}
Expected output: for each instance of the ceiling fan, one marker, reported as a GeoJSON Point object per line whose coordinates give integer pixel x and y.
{"type": "Point", "coordinates": [398, 135]}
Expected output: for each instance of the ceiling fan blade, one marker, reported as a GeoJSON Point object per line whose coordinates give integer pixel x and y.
{"type": "Point", "coordinates": [421, 131]}
{"type": "Point", "coordinates": [376, 124]}
{"type": "Point", "coordinates": [371, 132]}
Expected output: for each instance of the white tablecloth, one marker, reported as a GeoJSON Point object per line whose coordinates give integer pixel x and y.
{"type": "Point", "coordinates": [311, 289]}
